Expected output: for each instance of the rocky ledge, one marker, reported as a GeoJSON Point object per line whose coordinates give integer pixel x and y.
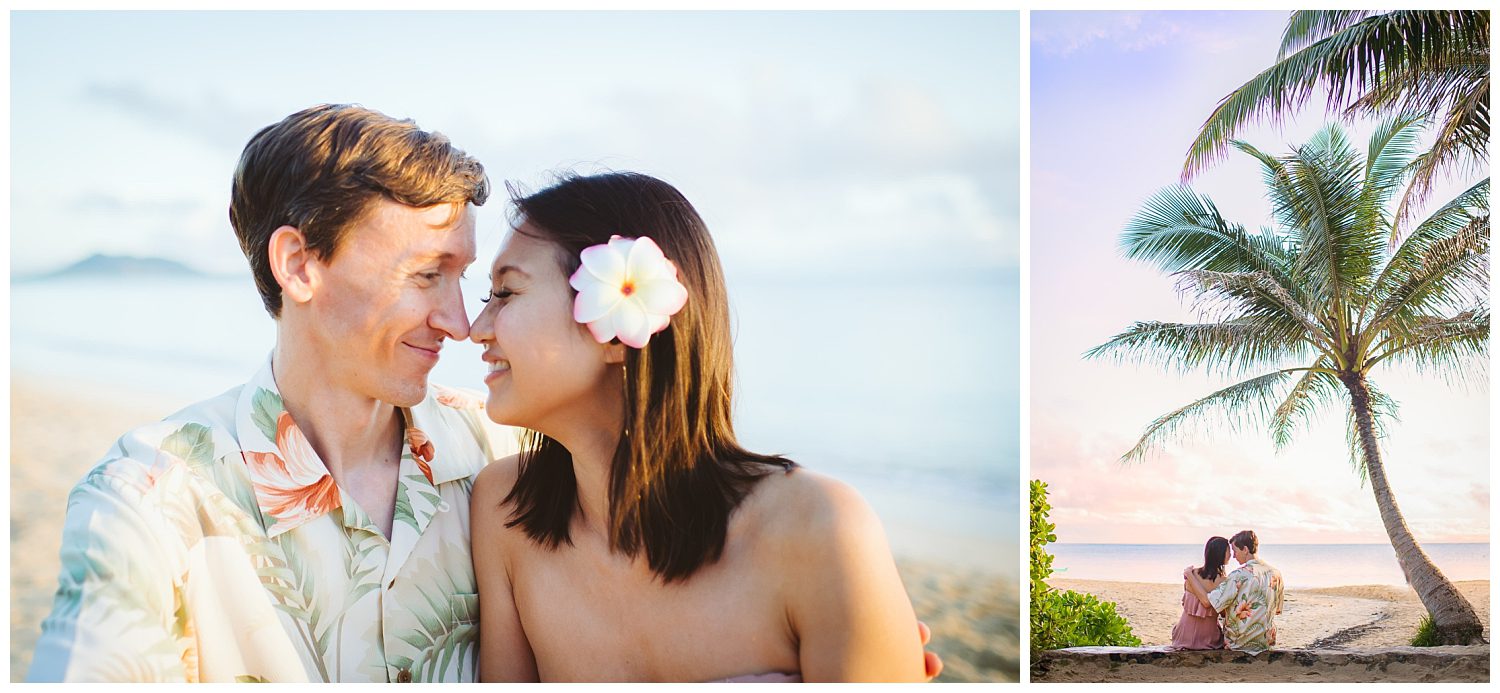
{"type": "Point", "coordinates": [1468, 664]}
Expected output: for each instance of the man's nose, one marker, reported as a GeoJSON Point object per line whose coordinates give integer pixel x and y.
{"type": "Point", "coordinates": [450, 317]}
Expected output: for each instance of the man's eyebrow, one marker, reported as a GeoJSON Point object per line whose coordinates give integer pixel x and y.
{"type": "Point", "coordinates": [503, 269]}
{"type": "Point", "coordinates": [445, 256]}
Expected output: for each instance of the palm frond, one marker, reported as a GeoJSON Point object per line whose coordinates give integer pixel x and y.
{"type": "Point", "coordinates": [1392, 148]}
{"type": "Point", "coordinates": [1455, 65]}
{"type": "Point", "coordinates": [1273, 169]}
{"type": "Point", "coordinates": [1440, 344]}
{"type": "Point", "coordinates": [1346, 56]}
{"type": "Point", "coordinates": [1454, 238]}
{"type": "Point", "coordinates": [1451, 273]}
{"type": "Point", "coordinates": [1443, 222]}
{"type": "Point", "coordinates": [1253, 397]}
{"type": "Point", "coordinates": [1234, 345]}
{"type": "Point", "coordinates": [1241, 295]}
{"type": "Point", "coordinates": [1177, 229]}
{"type": "Point", "coordinates": [1320, 207]}
{"type": "Point", "coordinates": [1307, 26]}
{"type": "Point", "coordinates": [1314, 390]}
{"type": "Point", "coordinates": [1460, 146]}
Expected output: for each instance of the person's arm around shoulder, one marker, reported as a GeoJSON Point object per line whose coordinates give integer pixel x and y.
{"type": "Point", "coordinates": [847, 606]}
{"type": "Point", "coordinates": [504, 652]}
{"type": "Point", "coordinates": [114, 615]}
{"type": "Point", "coordinates": [1221, 596]}
{"type": "Point", "coordinates": [1196, 587]}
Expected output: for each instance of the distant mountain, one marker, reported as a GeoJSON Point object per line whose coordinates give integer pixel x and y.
{"type": "Point", "coordinates": [124, 266]}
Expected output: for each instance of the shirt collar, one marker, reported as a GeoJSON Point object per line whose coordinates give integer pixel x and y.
{"type": "Point", "coordinates": [428, 421]}
{"type": "Point", "coordinates": [292, 484]}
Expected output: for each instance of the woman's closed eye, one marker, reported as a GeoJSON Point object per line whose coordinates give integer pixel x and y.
{"type": "Point", "coordinates": [501, 293]}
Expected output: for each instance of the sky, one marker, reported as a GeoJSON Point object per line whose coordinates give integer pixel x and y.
{"type": "Point", "coordinates": [1116, 99]}
{"type": "Point", "coordinates": [813, 143]}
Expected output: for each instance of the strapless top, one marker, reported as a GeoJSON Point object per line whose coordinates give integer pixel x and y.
{"type": "Point", "coordinates": [1192, 607]}
{"type": "Point", "coordinates": [773, 677]}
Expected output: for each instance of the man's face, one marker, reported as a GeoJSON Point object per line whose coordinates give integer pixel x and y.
{"type": "Point", "coordinates": [1241, 555]}
{"type": "Point", "coordinates": [390, 296]}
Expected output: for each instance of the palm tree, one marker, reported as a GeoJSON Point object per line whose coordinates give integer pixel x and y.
{"type": "Point", "coordinates": [1433, 63]}
{"type": "Point", "coordinates": [1315, 304]}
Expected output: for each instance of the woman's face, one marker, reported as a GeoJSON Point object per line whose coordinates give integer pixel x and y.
{"type": "Point", "coordinates": [544, 368]}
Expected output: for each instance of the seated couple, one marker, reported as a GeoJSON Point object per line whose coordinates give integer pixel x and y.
{"type": "Point", "coordinates": [1247, 600]}
{"type": "Point", "coordinates": [337, 519]}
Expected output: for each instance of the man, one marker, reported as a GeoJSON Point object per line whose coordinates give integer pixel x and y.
{"type": "Point", "coordinates": [332, 481]}
{"type": "Point", "coordinates": [311, 524]}
{"type": "Point", "coordinates": [1250, 598]}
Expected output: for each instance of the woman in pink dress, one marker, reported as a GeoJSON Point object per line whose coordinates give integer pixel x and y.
{"type": "Point", "coordinates": [1198, 628]}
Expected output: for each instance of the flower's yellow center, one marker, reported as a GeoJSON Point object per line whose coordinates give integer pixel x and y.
{"type": "Point", "coordinates": [627, 288]}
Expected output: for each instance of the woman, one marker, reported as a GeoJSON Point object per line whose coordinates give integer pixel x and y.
{"type": "Point", "coordinates": [633, 538]}
{"type": "Point", "coordinates": [1198, 627]}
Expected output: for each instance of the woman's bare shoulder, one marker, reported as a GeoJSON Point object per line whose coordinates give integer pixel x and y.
{"type": "Point", "coordinates": [802, 511]}
{"type": "Point", "coordinates": [491, 486]}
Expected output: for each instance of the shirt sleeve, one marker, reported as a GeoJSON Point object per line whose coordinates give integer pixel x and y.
{"type": "Point", "coordinates": [1222, 595]}
{"type": "Point", "coordinates": [114, 613]}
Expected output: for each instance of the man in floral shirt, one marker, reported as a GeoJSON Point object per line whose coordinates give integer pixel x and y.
{"type": "Point", "coordinates": [1250, 598]}
{"type": "Point", "coordinates": [311, 524]}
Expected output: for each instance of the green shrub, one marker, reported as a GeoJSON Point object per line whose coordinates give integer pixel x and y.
{"type": "Point", "coordinates": [1065, 618]}
{"type": "Point", "coordinates": [1426, 633]}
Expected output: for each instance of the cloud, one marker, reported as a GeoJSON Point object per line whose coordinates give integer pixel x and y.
{"type": "Point", "coordinates": [876, 173]}
{"type": "Point", "coordinates": [1065, 33]}
{"type": "Point", "coordinates": [1062, 34]}
{"type": "Point", "coordinates": [814, 179]}
{"type": "Point", "coordinates": [209, 119]}
{"type": "Point", "coordinates": [104, 203]}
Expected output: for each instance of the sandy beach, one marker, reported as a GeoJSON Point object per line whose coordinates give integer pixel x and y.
{"type": "Point", "coordinates": [59, 432]}
{"type": "Point", "coordinates": [1353, 617]}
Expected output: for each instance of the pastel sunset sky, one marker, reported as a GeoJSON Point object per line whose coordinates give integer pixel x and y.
{"type": "Point", "coordinates": [1116, 100]}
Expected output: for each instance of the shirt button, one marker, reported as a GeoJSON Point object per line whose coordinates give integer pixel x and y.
{"type": "Point", "coordinates": [403, 676]}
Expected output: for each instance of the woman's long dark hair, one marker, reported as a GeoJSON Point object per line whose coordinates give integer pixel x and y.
{"type": "Point", "coordinates": [1215, 555]}
{"type": "Point", "coordinates": [678, 471]}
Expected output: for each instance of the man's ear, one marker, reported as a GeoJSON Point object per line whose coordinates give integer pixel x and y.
{"type": "Point", "coordinates": [614, 352]}
{"type": "Point", "coordinates": [293, 265]}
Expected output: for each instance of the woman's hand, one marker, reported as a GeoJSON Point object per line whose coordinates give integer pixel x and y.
{"type": "Point", "coordinates": [930, 659]}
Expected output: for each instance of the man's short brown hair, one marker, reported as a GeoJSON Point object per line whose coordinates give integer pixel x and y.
{"type": "Point", "coordinates": [1246, 540]}
{"type": "Point", "coordinates": [320, 170]}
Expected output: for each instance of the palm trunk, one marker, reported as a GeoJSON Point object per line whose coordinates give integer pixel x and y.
{"type": "Point", "coordinates": [1453, 616]}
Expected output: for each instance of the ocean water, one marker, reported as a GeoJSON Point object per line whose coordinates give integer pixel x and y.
{"type": "Point", "coordinates": [908, 392]}
{"type": "Point", "coordinates": [1301, 565]}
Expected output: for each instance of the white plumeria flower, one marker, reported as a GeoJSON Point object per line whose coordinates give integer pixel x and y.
{"type": "Point", "coordinates": [626, 289]}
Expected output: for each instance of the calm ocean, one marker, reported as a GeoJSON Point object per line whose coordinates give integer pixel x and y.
{"type": "Point", "coordinates": [908, 391]}
{"type": "Point", "coordinates": [1301, 565]}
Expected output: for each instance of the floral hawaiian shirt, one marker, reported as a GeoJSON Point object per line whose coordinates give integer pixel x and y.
{"type": "Point", "coordinates": [215, 546]}
{"type": "Point", "coordinates": [1250, 598]}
